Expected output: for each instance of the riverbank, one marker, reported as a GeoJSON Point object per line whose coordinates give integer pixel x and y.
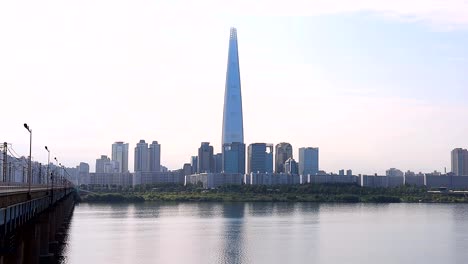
{"type": "Point", "coordinates": [299, 193]}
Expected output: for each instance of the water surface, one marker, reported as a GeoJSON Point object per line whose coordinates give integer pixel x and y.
{"type": "Point", "coordinates": [268, 233]}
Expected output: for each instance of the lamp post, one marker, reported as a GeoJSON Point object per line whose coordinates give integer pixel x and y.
{"type": "Point", "coordinates": [63, 174]}
{"type": "Point", "coordinates": [48, 162]}
{"type": "Point", "coordinates": [29, 166]}
{"type": "Point", "coordinates": [56, 162]}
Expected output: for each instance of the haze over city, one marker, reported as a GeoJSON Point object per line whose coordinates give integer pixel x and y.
{"type": "Point", "coordinates": [374, 85]}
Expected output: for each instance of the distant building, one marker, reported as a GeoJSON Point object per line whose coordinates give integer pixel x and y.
{"type": "Point", "coordinates": [194, 164]}
{"type": "Point", "coordinates": [381, 181]}
{"type": "Point", "coordinates": [234, 158]}
{"type": "Point", "coordinates": [159, 177]}
{"type": "Point", "coordinates": [341, 172]}
{"type": "Point", "coordinates": [414, 179]}
{"type": "Point", "coordinates": [83, 173]}
{"type": "Point", "coordinates": [308, 161]}
{"type": "Point", "coordinates": [349, 173]}
{"type": "Point", "coordinates": [283, 151]}
{"type": "Point", "coordinates": [328, 178]}
{"type": "Point", "coordinates": [101, 163]}
{"type": "Point", "coordinates": [83, 167]}
{"type": "Point", "coordinates": [291, 167]}
{"type": "Point", "coordinates": [459, 160]}
{"type": "Point", "coordinates": [218, 163]}
{"type": "Point", "coordinates": [260, 158]}
{"type": "Point", "coordinates": [205, 158]}
{"type": "Point", "coordinates": [120, 154]}
{"type": "Point", "coordinates": [141, 156]}
{"type": "Point", "coordinates": [154, 157]}
{"type": "Point", "coordinates": [213, 180]}
{"type": "Point", "coordinates": [187, 168]}
{"type": "Point", "coordinates": [434, 173]}
{"type": "Point", "coordinates": [111, 179]}
{"type": "Point", "coordinates": [392, 172]}
{"type": "Point", "coordinates": [271, 179]}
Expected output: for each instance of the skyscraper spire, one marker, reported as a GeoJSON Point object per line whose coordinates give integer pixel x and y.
{"type": "Point", "coordinates": [233, 128]}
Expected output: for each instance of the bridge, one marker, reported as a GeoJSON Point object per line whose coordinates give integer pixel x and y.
{"type": "Point", "coordinates": [34, 220]}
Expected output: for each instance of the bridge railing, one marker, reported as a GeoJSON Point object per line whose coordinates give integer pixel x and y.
{"type": "Point", "coordinates": [9, 187]}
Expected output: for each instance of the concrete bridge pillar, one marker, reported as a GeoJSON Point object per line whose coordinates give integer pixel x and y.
{"type": "Point", "coordinates": [44, 254]}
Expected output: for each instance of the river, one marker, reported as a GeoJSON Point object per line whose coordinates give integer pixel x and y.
{"type": "Point", "coordinates": [267, 233]}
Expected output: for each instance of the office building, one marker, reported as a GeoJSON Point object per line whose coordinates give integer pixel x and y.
{"type": "Point", "coordinates": [187, 169]}
{"type": "Point", "coordinates": [120, 154]}
{"type": "Point", "coordinates": [283, 151]}
{"type": "Point", "coordinates": [291, 167]}
{"type": "Point", "coordinates": [260, 158]}
{"type": "Point", "coordinates": [459, 160]}
{"type": "Point", "coordinates": [205, 158]}
{"type": "Point", "coordinates": [218, 163]}
{"type": "Point", "coordinates": [308, 161]}
{"type": "Point", "coordinates": [234, 157]}
{"type": "Point", "coordinates": [194, 164]}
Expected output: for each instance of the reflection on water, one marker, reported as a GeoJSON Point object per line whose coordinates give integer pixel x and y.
{"type": "Point", "coordinates": [268, 233]}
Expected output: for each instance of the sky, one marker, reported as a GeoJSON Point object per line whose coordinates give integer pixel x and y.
{"type": "Point", "coordinates": [374, 84]}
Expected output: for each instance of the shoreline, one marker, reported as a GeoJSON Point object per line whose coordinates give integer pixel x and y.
{"type": "Point", "coordinates": [320, 193]}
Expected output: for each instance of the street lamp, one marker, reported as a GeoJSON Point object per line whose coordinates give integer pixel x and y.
{"type": "Point", "coordinates": [63, 173]}
{"type": "Point", "coordinates": [56, 162]}
{"type": "Point", "coordinates": [48, 162]}
{"type": "Point", "coordinates": [30, 149]}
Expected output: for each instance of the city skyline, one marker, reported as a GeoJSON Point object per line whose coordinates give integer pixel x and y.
{"type": "Point", "coordinates": [301, 83]}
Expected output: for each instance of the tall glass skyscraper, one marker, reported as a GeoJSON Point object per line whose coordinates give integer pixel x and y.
{"type": "Point", "coordinates": [283, 151]}
{"type": "Point", "coordinates": [260, 158]}
{"type": "Point", "coordinates": [233, 128]}
{"type": "Point", "coordinates": [234, 158]}
{"type": "Point", "coordinates": [308, 161]}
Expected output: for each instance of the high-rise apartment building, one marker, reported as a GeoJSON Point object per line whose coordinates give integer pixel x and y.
{"type": "Point", "coordinates": [148, 158]}
{"type": "Point", "coordinates": [392, 172]}
{"type": "Point", "coordinates": [120, 154]}
{"type": "Point", "coordinates": [106, 165]}
{"type": "Point", "coordinates": [283, 151]}
{"type": "Point", "coordinates": [141, 156]}
{"type": "Point", "coordinates": [460, 162]}
{"type": "Point", "coordinates": [260, 158]}
{"type": "Point", "coordinates": [233, 128]}
{"type": "Point", "coordinates": [154, 156]}
{"type": "Point", "coordinates": [308, 161]}
{"type": "Point", "coordinates": [234, 157]}
{"type": "Point", "coordinates": [205, 158]}
{"type": "Point", "coordinates": [100, 163]}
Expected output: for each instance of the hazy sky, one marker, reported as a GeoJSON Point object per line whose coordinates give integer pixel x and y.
{"type": "Point", "coordinates": [374, 84]}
